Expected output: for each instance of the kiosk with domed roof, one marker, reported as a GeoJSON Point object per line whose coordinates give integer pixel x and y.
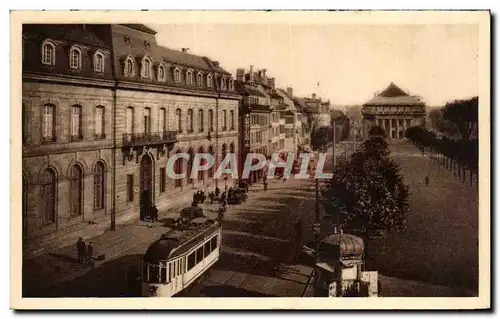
{"type": "Point", "coordinates": [339, 268]}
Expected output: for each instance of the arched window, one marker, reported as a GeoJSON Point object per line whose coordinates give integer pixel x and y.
{"type": "Point", "coordinates": [189, 77]}
{"type": "Point", "coordinates": [48, 194]}
{"type": "Point", "coordinates": [75, 58]}
{"type": "Point", "coordinates": [99, 62]}
{"type": "Point", "coordinates": [178, 118]}
{"type": "Point", "coordinates": [209, 80]}
{"type": "Point", "coordinates": [76, 123]}
{"type": "Point", "coordinates": [48, 124]}
{"type": "Point", "coordinates": [190, 121]}
{"type": "Point", "coordinates": [200, 121]}
{"type": "Point", "coordinates": [190, 166]}
{"type": "Point", "coordinates": [99, 185]}
{"type": "Point", "coordinates": [76, 189]}
{"type": "Point", "coordinates": [199, 79]}
{"type": "Point", "coordinates": [224, 120]}
{"type": "Point", "coordinates": [48, 53]}
{"type": "Point", "coordinates": [211, 120]}
{"type": "Point", "coordinates": [223, 83]}
{"type": "Point", "coordinates": [231, 148]}
{"type": "Point", "coordinates": [231, 84]}
{"type": "Point", "coordinates": [211, 169]}
{"type": "Point", "coordinates": [146, 68]}
{"type": "Point", "coordinates": [177, 75]}
{"type": "Point", "coordinates": [231, 115]}
{"type": "Point", "coordinates": [161, 73]}
{"type": "Point", "coordinates": [129, 67]}
{"type": "Point", "coordinates": [178, 169]}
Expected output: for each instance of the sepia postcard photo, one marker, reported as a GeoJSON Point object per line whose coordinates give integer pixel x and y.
{"type": "Point", "coordinates": [234, 156]}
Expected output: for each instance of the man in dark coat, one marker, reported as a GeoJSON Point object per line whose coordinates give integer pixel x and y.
{"type": "Point", "coordinates": [154, 213]}
{"type": "Point", "coordinates": [90, 254]}
{"type": "Point", "coordinates": [80, 249]}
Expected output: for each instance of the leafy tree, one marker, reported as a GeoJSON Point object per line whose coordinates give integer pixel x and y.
{"type": "Point", "coordinates": [435, 117]}
{"type": "Point", "coordinates": [367, 194]}
{"type": "Point", "coordinates": [462, 113]}
{"type": "Point", "coordinates": [320, 137]}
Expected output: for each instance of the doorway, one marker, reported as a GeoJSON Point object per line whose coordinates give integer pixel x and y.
{"type": "Point", "coordinates": [146, 185]}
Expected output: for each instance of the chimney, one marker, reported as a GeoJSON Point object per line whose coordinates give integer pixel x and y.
{"type": "Point", "coordinates": [240, 75]}
{"type": "Point", "coordinates": [185, 50]}
{"type": "Point", "coordinates": [271, 83]}
{"type": "Point", "coordinates": [314, 96]}
{"type": "Point", "coordinates": [289, 91]}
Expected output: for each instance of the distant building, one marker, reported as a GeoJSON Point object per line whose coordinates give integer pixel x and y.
{"type": "Point", "coordinates": [316, 111]}
{"type": "Point", "coordinates": [394, 110]}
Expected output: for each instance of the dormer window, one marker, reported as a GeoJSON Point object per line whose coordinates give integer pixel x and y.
{"type": "Point", "coordinates": [75, 58]}
{"type": "Point", "coordinates": [99, 62]}
{"type": "Point", "coordinates": [209, 80]}
{"type": "Point", "coordinates": [177, 75]}
{"type": "Point", "coordinates": [129, 67]}
{"type": "Point", "coordinates": [189, 77]}
{"type": "Point", "coordinates": [126, 38]}
{"type": "Point", "coordinates": [231, 84]}
{"type": "Point", "coordinates": [48, 53]}
{"type": "Point", "coordinates": [147, 44]}
{"type": "Point", "coordinates": [223, 83]}
{"type": "Point", "coordinates": [146, 68]}
{"type": "Point", "coordinates": [161, 73]}
{"type": "Point", "coordinates": [199, 79]}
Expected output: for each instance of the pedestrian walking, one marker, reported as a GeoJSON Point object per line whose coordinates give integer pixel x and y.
{"type": "Point", "coordinates": [217, 191]}
{"type": "Point", "coordinates": [426, 180]}
{"type": "Point", "coordinates": [80, 249]}
{"type": "Point", "coordinates": [154, 213]}
{"type": "Point", "coordinates": [90, 254]}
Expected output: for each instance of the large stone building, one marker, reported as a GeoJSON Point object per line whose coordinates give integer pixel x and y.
{"type": "Point", "coordinates": [316, 111]}
{"type": "Point", "coordinates": [394, 110]}
{"type": "Point", "coordinates": [104, 108]}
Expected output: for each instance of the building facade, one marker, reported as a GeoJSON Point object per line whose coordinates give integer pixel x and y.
{"type": "Point", "coordinates": [104, 108]}
{"type": "Point", "coordinates": [67, 104]}
{"type": "Point", "coordinates": [394, 110]}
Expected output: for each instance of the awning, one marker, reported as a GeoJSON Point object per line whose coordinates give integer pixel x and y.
{"type": "Point", "coordinates": [326, 267]}
{"type": "Point", "coordinates": [350, 262]}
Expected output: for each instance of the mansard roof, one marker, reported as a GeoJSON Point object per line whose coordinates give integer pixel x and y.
{"type": "Point", "coordinates": [394, 95]}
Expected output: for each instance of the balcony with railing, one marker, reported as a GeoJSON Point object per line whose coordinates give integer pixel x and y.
{"type": "Point", "coordinates": [143, 139]}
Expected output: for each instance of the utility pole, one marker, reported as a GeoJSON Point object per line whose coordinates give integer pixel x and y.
{"type": "Point", "coordinates": [333, 148]}
{"type": "Point", "coordinates": [353, 136]}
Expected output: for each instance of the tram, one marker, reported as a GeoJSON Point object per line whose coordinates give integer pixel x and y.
{"type": "Point", "coordinates": [180, 257]}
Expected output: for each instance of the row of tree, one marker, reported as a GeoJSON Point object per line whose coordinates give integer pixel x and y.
{"type": "Point", "coordinates": [367, 194]}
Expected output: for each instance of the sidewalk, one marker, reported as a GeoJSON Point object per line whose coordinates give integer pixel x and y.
{"type": "Point", "coordinates": [42, 274]}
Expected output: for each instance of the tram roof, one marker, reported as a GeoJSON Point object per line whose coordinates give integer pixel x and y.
{"type": "Point", "coordinates": [178, 242]}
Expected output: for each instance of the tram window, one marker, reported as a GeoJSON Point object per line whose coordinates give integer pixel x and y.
{"type": "Point", "coordinates": [171, 271]}
{"type": "Point", "coordinates": [154, 273]}
{"type": "Point", "coordinates": [191, 261]}
{"type": "Point", "coordinates": [206, 248]}
{"type": "Point", "coordinates": [163, 274]}
{"type": "Point", "coordinates": [199, 254]}
{"type": "Point", "coordinates": [214, 243]}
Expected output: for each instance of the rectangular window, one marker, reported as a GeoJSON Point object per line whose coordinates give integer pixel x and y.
{"type": "Point", "coordinates": [171, 273]}
{"type": "Point", "coordinates": [213, 243]}
{"type": "Point", "coordinates": [154, 273]}
{"type": "Point", "coordinates": [161, 121]}
{"type": "Point", "coordinates": [199, 255]}
{"type": "Point", "coordinates": [206, 248]}
{"type": "Point", "coordinates": [99, 122]}
{"type": "Point", "coordinates": [76, 115]}
{"type": "Point", "coordinates": [130, 187]}
{"type": "Point", "coordinates": [162, 179]}
{"type": "Point", "coordinates": [48, 122]}
{"type": "Point", "coordinates": [163, 274]}
{"type": "Point", "coordinates": [191, 261]}
{"type": "Point", "coordinates": [130, 120]}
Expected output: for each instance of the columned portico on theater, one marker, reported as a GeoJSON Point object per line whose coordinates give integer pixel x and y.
{"type": "Point", "coordinates": [395, 111]}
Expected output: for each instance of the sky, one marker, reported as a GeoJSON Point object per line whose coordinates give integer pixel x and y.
{"type": "Point", "coordinates": [351, 62]}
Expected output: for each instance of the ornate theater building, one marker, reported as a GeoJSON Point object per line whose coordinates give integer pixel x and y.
{"type": "Point", "coordinates": [394, 110]}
